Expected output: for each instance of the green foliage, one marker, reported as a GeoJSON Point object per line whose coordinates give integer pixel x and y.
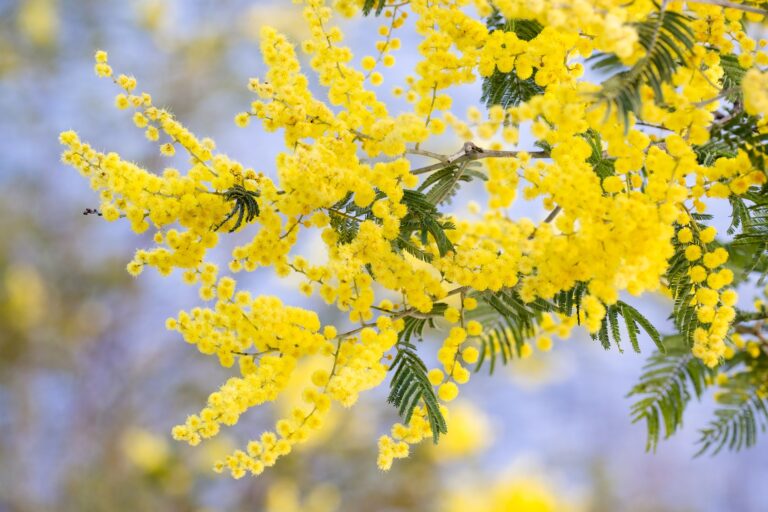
{"type": "Point", "coordinates": [740, 215]}
{"type": "Point", "coordinates": [523, 29]}
{"type": "Point", "coordinates": [750, 219]}
{"type": "Point", "coordinates": [375, 6]}
{"type": "Point", "coordinates": [736, 130]}
{"type": "Point", "coordinates": [246, 208]}
{"type": "Point", "coordinates": [665, 386]}
{"type": "Point", "coordinates": [568, 302]}
{"type": "Point", "coordinates": [508, 321]}
{"type": "Point", "coordinates": [602, 166]}
{"type": "Point", "coordinates": [724, 141]}
{"type": "Point", "coordinates": [633, 321]}
{"type": "Point", "coordinates": [442, 185]}
{"type": "Point", "coordinates": [681, 287]}
{"type": "Point", "coordinates": [414, 325]}
{"type": "Point", "coordinates": [410, 387]}
{"type": "Point", "coordinates": [713, 149]}
{"type": "Point", "coordinates": [508, 89]}
{"type": "Point", "coordinates": [732, 75]}
{"type": "Point", "coordinates": [742, 412]}
{"type": "Point", "coordinates": [423, 219]}
{"type": "Point", "coordinates": [667, 38]}
{"type": "Point", "coordinates": [345, 218]}
{"type": "Point", "coordinates": [745, 259]}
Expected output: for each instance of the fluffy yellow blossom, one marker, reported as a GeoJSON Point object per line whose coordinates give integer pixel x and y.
{"type": "Point", "coordinates": [448, 391]}
{"type": "Point", "coordinates": [755, 86]}
{"type": "Point", "coordinates": [621, 200]}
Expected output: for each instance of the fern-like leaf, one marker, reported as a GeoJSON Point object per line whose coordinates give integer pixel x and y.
{"type": "Point", "coordinates": [415, 325]}
{"type": "Point", "coordinates": [508, 89]}
{"type": "Point", "coordinates": [732, 76]}
{"type": "Point", "coordinates": [665, 388]}
{"type": "Point", "coordinates": [375, 6]}
{"type": "Point", "coordinates": [509, 322]}
{"type": "Point", "coordinates": [245, 207]}
{"type": "Point", "coordinates": [667, 38]}
{"type": "Point", "coordinates": [602, 165]}
{"type": "Point", "coordinates": [741, 415]}
{"type": "Point", "coordinates": [442, 185]}
{"type": "Point", "coordinates": [633, 320]}
{"type": "Point", "coordinates": [410, 387]}
{"type": "Point", "coordinates": [737, 130]}
{"type": "Point", "coordinates": [681, 287]}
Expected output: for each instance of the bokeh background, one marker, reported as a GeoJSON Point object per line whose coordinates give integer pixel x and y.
{"type": "Point", "coordinates": [91, 383]}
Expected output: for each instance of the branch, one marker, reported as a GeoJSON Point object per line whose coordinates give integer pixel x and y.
{"type": "Point", "coordinates": [469, 153]}
{"type": "Point", "coordinates": [731, 5]}
{"type": "Point", "coordinates": [298, 221]}
{"type": "Point", "coordinates": [552, 215]}
{"type": "Point", "coordinates": [430, 154]}
{"type": "Point", "coordinates": [750, 316]}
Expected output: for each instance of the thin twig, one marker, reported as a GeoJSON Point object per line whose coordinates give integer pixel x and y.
{"type": "Point", "coordinates": [552, 215]}
{"type": "Point", "coordinates": [430, 154]}
{"type": "Point", "coordinates": [547, 220]}
{"type": "Point", "coordinates": [471, 152]}
{"type": "Point", "coordinates": [731, 5]}
{"type": "Point", "coordinates": [288, 232]}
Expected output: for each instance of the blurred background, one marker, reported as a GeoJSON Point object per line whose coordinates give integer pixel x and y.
{"type": "Point", "coordinates": [91, 383]}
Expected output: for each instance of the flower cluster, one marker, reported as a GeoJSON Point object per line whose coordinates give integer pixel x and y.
{"type": "Point", "coordinates": [621, 197]}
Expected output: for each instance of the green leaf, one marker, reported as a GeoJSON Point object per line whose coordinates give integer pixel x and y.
{"type": "Point", "coordinates": [749, 222]}
{"type": "Point", "coordinates": [414, 325]}
{"type": "Point", "coordinates": [602, 166]}
{"type": "Point", "coordinates": [736, 130]}
{"type": "Point", "coordinates": [245, 207]}
{"type": "Point", "coordinates": [525, 29]}
{"type": "Point", "coordinates": [632, 319]}
{"type": "Point", "coordinates": [567, 301]}
{"type": "Point", "coordinates": [508, 322]}
{"type": "Point", "coordinates": [508, 89]}
{"type": "Point", "coordinates": [740, 214]}
{"type": "Point", "coordinates": [733, 73]}
{"type": "Point", "coordinates": [423, 217]}
{"type": "Point", "coordinates": [681, 287]}
{"type": "Point", "coordinates": [667, 38]}
{"type": "Point", "coordinates": [401, 244]}
{"type": "Point", "coordinates": [375, 6]}
{"type": "Point", "coordinates": [410, 387]}
{"type": "Point", "coordinates": [443, 184]}
{"type": "Point", "coordinates": [742, 414]}
{"type": "Point", "coordinates": [631, 314]}
{"type": "Point", "coordinates": [665, 388]}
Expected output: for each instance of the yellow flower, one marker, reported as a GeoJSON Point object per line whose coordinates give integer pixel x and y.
{"type": "Point", "coordinates": [544, 343]}
{"type": "Point", "coordinates": [448, 391]}
{"type": "Point", "coordinates": [692, 252]}
{"type": "Point", "coordinates": [474, 328]}
{"type": "Point", "coordinates": [167, 149]}
{"type": "Point", "coordinates": [435, 376]}
{"type": "Point", "coordinates": [364, 192]}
